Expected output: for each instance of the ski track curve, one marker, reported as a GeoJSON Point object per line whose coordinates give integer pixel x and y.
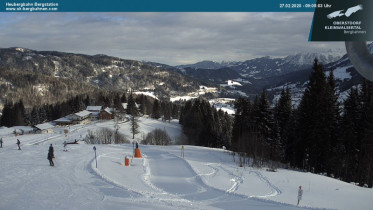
{"type": "Point", "coordinates": [275, 190]}
{"type": "Point", "coordinates": [238, 180]}
{"type": "Point", "coordinates": [216, 198]}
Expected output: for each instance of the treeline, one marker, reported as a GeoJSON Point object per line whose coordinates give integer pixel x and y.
{"type": "Point", "coordinates": [204, 125]}
{"type": "Point", "coordinates": [321, 135]}
{"type": "Point", "coordinates": [15, 114]}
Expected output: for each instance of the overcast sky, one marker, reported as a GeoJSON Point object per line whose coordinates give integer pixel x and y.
{"type": "Point", "coordinates": [170, 38]}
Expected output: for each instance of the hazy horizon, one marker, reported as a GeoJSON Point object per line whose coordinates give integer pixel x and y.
{"type": "Point", "coordinates": [169, 38]}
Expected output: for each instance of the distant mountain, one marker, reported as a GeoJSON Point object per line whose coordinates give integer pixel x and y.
{"type": "Point", "coordinates": [266, 67]}
{"type": "Point", "coordinates": [99, 71]}
{"type": "Point", "coordinates": [212, 75]}
{"type": "Point", "coordinates": [161, 65]}
{"type": "Point", "coordinates": [48, 76]}
{"type": "Point", "coordinates": [258, 73]}
{"type": "Point", "coordinates": [203, 65]}
{"type": "Point", "coordinates": [345, 75]}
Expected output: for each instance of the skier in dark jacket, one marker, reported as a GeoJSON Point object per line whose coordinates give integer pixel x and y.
{"type": "Point", "coordinates": [1, 142]}
{"type": "Point", "coordinates": [19, 143]}
{"type": "Point", "coordinates": [51, 155]}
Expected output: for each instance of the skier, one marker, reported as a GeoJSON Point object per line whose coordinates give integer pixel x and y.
{"type": "Point", "coordinates": [1, 142]}
{"type": "Point", "coordinates": [51, 155]}
{"type": "Point", "coordinates": [182, 151]}
{"type": "Point", "coordinates": [64, 146]}
{"type": "Point", "coordinates": [300, 193]}
{"type": "Point", "coordinates": [19, 143]}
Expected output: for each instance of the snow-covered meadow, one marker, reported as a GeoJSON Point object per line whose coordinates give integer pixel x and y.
{"type": "Point", "coordinates": [204, 179]}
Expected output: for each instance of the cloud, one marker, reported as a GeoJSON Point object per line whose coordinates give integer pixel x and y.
{"type": "Point", "coordinates": [171, 38]}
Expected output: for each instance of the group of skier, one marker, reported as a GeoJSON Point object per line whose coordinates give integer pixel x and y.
{"type": "Point", "coordinates": [18, 143]}
{"type": "Point", "coordinates": [50, 150]}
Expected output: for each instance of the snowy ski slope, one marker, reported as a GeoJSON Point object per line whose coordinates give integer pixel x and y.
{"type": "Point", "coordinates": [205, 179]}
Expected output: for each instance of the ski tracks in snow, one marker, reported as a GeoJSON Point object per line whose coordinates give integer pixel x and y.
{"type": "Point", "coordinates": [238, 178]}
{"type": "Point", "coordinates": [216, 167]}
{"type": "Point", "coordinates": [275, 191]}
{"type": "Point", "coordinates": [160, 186]}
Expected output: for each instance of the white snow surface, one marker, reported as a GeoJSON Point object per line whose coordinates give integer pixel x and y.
{"type": "Point", "coordinates": [186, 98]}
{"type": "Point", "coordinates": [204, 179]}
{"type": "Point", "coordinates": [146, 93]}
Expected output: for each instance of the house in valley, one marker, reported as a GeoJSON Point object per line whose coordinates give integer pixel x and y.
{"type": "Point", "coordinates": [81, 117]}
{"type": "Point", "coordinates": [95, 110]}
{"type": "Point", "coordinates": [44, 128]}
{"type": "Point", "coordinates": [106, 114]}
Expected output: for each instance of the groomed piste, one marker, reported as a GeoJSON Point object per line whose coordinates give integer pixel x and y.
{"type": "Point", "coordinates": [205, 178]}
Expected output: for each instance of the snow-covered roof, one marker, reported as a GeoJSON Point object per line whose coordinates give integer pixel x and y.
{"type": "Point", "coordinates": [108, 110]}
{"type": "Point", "coordinates": [83, 113]}
{"type": "Point", "coordinates": [94, 108]}
{"type": "Point", "coordinates": [63, 119]}
{"type": "Point", "coordinates": [45, 126]}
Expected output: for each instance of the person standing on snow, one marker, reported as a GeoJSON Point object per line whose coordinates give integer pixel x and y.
{"type": "Point", "coordinates": [64, 146]}
{"type": "Point", "coordinates": [300, 193]}
{"type": "Point", "coordinates": [1, 142]}
{"type": "Point", "coordinates": [51, 155]}
{"type": "Point", "coordinates": [19, 143]}
{"type": "Point", "coordinates": [182, 151]}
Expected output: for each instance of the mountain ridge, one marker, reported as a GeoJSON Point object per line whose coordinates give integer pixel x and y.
{"type": "Point", "coordinates": [95, 72]}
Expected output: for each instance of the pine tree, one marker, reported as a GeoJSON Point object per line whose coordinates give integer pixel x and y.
{"type": "Point", "coordinates": [317, 120]}
{"type": "Point", "coordinates": [241, 123]}
{"type": "Point", "coordinates": [156, 113]}
{"type": "Point", "coordinates": [42, 114]}
{"type": "Point", "coordinates": [134, 126]}
{"type": "Point", "coordinates": [131, 106]}
{"type": "Point", "coordinates": [175, 111]}
{"type": "Point", "coordinates": [6, 117]}
{"type": "Point", "coordinates": [265, 122]}
{"type": "Point", "coordinates": [333, 121]}
{"type": "Point", "coordinates": [19, 113]}
{"type": "Point", "coordinates": [77, 104]}
{"type": "Point", "coordinates": [226, 130]}
{"type": "Point", "coordinates": [282, 115]}
{"type": "Point", "coordinates": [207, 136]}
{"type": "Point", "coordinates": [87, 101]}
{"type": "Point", "coordinates": [167, 109]}
{"type": "Point", "coordinates": [142, 100]}
{"type": "Point", "coordinates": [117, 103]}
{"type": "Point", "coordinates": [34, 116]}
{"type": "Point", "coordinates": [123, 99]}
{"type": "Point", "coordinates": [365, 168]}
{"type": "Point", "coordinates": [351, 135]}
